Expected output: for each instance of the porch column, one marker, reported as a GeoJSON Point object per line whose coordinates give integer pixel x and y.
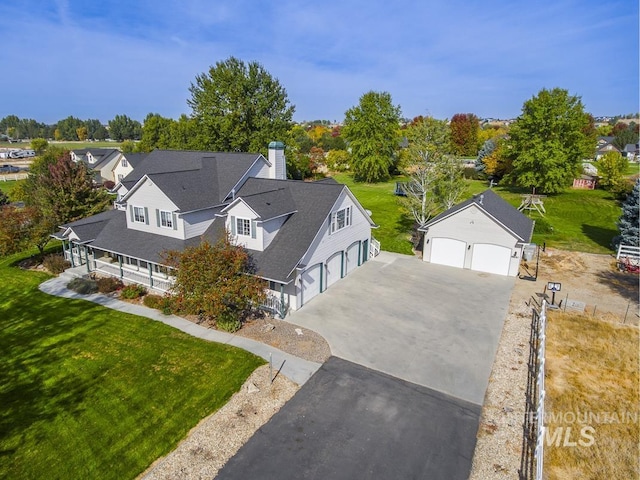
{"type": "Point", "coordinates": [73, 262]}
{"type": "Point", "coordinates": [120, 265]}
{"type": "Point", "coordinates": [282, 300]}
{"type": "Point", "coordinates": [342, 264]}
{"type": "Point", "coordinates": [150, 275]}
{"type": "Point", "coordinates": [86, 256]}
{"type": "Point", "coordinates": [359, 252]}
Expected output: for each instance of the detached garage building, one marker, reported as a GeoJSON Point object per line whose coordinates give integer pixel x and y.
{"type": "Point", "coordinates": [484, 233]}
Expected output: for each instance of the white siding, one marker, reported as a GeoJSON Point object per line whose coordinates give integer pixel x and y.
{"type": "Point", "coordinates": [325, 245]}
{"type": "Point", "coordinates": [150, 196]}
{"type": "Point", "coordinates": [270, 229]}
{"type": "Point", "coordinates": [241, 210]}
{"type": "Point", "coordinates": [196, 223]}
{"type": "Point", "coordinates": [473, 226]}
{"type": "Point", "coordinates": [259, 169]}
{"type": "Point", "coordinates": [120, 170]}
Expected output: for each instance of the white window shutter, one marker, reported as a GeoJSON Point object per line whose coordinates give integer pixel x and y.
{"type": "Point", "coordinates": [233, 225]}
{"type": "Point", "coordinates": [157, 217]}
{"type": "Point", "coordinates": [146, 215]}
{"type": "Point", "coordinates": [254, 226]}
{"type": "Point", "coordinates": [174, 221]}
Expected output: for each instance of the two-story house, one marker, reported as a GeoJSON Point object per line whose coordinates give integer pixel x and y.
{"type": "Point", "coordinates": [100, 160]}
{"type": "Point", "coordinates": [125, 164]}
{"type": "Point", "coordinates": [303, 236]}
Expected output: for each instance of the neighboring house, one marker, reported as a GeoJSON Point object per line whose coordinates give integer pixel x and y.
{"type": "Point", "coordinates": [483, 233]}
{"type": "Point", "coordinates": [125, 165]}
{"type": "Point", "coordinates": [604, 148]}
{"type": "Point", "coordinates": [631, 152]}
{"type": "Point", "coordinates": [100, 160]}
{"type": "Point", "coordinates": [303, 236]}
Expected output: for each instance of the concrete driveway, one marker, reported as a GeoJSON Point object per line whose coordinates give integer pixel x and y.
{"type": "Point", "coordinates": [428, 324]}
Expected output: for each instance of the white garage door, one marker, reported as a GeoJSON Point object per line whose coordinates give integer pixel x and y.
{"type": "Point", "coordinates": [334, 269]}
{"type": "Point", "coordinates": [447, 251]}
{"type": "Point", "coordinates": [311, 283]}
{"type": "Point", "coordinates": [491, 258]}
{"type": "Point", "coordinates": [351, 258]}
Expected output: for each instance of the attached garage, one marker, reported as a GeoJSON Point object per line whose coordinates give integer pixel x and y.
{"type": "Point", "coordinates": [333, 269]}
{"type": "Point", "coordinates": [351, 258]}
{"type": "Point", "coordinates": [490, 258]}
{"type": "Point", "coordinates": [311, 282]}
{"type": "Point", "coordinates": [483, 233]}
{"type": "Point", "coordinates": [448, 251]}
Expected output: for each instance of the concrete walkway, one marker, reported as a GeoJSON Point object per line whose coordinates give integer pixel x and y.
{"type": "Point", "coordinates": [294, 368]}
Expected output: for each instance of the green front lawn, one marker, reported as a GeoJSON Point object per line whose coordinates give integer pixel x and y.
{"type": "Point", "coordinates": [581, 220]}
{"type": "Point", "coordinates": [8, 187]}
{"type": "Point", "coordinates": [394, 233]}
{"type": "Point", "coordinates": [88, 392]}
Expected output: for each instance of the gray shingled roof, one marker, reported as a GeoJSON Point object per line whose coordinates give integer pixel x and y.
{"type": "Point", "coordinates": [135, 159]}
{"type": "Point", "coordinates": [506, 214]}
{"type": "Point", "coordinates": [271, 203]}
{"type": "Point", "coordinates": [89, 228]}
{"type": "Point", "coordinates": [181, 173]}
{"type": "Point", "coordinates": [313, 201]}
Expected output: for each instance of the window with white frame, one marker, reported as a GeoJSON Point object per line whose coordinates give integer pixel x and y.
{"type": "Point", "coordinates": [124, 162]}
{"type": "Point", "coordinates": [138, 214]}
{"type": "Point", "coordinates": [340, 219]}
{"type": "Point", "coordinates": [120, 177]}
{"type": "Point", "coordinates": [243, 226]}
{"type": "Point", "coordinates": [166, 219]}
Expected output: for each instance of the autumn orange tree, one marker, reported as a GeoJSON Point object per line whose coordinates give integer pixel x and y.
{"type": "Point", "coordinates": [216, 282]}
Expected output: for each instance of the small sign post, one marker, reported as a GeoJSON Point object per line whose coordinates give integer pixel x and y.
{"type": "Point", "coordinates": [554, 287]}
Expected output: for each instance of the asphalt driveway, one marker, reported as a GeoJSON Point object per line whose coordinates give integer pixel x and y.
{"type": "Point", "coordinates": [432, 325]}
{"type": "Point", "coordinates": [350, 422]}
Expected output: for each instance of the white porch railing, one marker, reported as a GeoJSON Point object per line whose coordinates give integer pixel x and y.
{"type": "Point", "coordinates": [374, 248]}
{"type": "Point", "coordinates": [274, 305]}
{"type": "Point", "coordinates": [125, 273]}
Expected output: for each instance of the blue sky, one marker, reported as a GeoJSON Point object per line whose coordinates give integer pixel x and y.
{"type": "Point", "coordinates": [97, 59]}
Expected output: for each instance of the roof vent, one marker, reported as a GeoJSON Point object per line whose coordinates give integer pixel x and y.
{"type": "Point", "coordinates": [233, 194]}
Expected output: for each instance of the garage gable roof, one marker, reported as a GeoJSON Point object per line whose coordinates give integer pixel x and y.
{"type": "Point", "coordinates": [493, 205]}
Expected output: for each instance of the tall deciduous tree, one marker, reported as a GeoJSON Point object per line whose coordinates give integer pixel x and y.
{"type": "Point", "coordinates": [549, 141]}
{"type": "Point", "coordinates": [124, 128]}
{"type": "Point", "coordinates": [14, 229]}
{"type": "Point", "coordinates": [216, 282]}
{"type": "Point", "coordinates": [371, 129]}
{"type": "Point", "coordinates": [464, 134]}
{"type": "Point", "coordinates": [58, 191]}
{"type": "Point", "coordinates": [435, 175]}
{"type": "Point", "coordinates": [239, 107]}
{"type": "Point", "coordinates": [611, 168]}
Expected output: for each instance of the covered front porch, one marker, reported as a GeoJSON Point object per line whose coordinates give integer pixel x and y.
{"type": "Point", "coordinates": [128, 269]}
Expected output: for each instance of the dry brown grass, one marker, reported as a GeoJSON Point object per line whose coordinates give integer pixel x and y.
{"type": "Point", "coordinates": [592, 388]}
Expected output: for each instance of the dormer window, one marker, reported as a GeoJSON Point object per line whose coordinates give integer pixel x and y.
{"type": "Point", "coordinates": [124, 162]}
{"type": "Point", "coordinates": [243, 226]}
{"type": "Point", "coordinates": [340, 219]}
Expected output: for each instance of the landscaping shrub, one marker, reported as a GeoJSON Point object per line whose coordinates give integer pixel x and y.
{"type": "Point", "coordinates": [164, 304]}
{"type": "Point", "coordinates": [132, 291]}
{"type": "Point", "coordinates": [228, 322]}
{"type": "Point", "coordinates": [55, 263]}
{"type": "Point", "coordinates": [83, 286]}
{"type": "Point", "coordinates": [108, 284]}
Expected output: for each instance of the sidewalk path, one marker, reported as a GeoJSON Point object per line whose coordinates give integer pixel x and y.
{"type": "Point", "coordinates": [294, 368]}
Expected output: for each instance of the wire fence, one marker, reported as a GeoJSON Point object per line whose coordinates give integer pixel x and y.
{"type": "Point", "coordinates": [541, 322]}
